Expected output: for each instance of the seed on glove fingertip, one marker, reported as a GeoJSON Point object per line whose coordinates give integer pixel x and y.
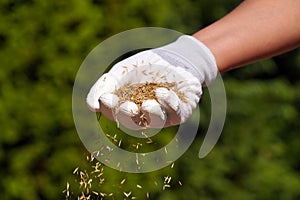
{"type": "Point", "coordinates": [129, 108]}
{"type": "Point", "coordinates": [110, 100]}
{"type": "Point", "coordinates": [140, 92]}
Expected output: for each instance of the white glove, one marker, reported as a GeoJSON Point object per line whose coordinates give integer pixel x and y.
{"type": "Point", "coordinates": [186, 62]}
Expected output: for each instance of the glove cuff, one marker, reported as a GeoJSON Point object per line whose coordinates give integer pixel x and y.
{"type": "Point", "coordinates": [192, 55]}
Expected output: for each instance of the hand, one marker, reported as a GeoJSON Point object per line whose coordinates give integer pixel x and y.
{"type": "Point", "coordinates": [178, 69]}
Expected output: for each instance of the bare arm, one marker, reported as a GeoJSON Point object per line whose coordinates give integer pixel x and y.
{"type": "Point", "coordinates": [255, 30]}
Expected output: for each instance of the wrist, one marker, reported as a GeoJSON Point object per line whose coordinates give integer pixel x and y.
{"type": "Point", "coordinates": [192, 55]}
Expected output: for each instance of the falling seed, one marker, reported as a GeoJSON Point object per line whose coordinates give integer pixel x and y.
{"type": "Point", "coordinates": [179, 182]}
{"type": "Point", "coordinates": [112, 138]}
{"type": "Point", "coordinates": [67, 190]}
{"type": "Point", "coordinates": [147, 195]}
{"type": "Point", "coordinates": [137, 145]}
{"type": "Point", "coordinates": [81, 184]}
{"type": "Point", "coordinates": [104, 79]}
{"type": "Point", "coordinates": [90, 183]}
{"type": "Point", "coordinates": [127, 194]}
{"type": "Point", "coordinates": [172, 165]}
{"type": "Point", "coordinates": [120, 169]}
{"type": "Point", "coordinates": [103, 194]}
{"type": "Point", "coordinates": [144, 134]}
{"type": "Point", "coordinates": [166, 151]}
{"type": "Point", "coordinates": [109, 148]}
{"type": "Point", "coordinates": [76, 170]}
{"type": "Point", "coordinates": [123, 181]}
{"type": "Point", "coordinates": [101, 181]}
{"type": "Point", "coordinates": [166, 186]}
{"type": "Point", "coordinates": [139, 186]}
{"type": "Point", "coordinates": [136, 159]}
{"type": "Point", "coordinates": [149, 141]}
{"type": "Point", "coordinates": [166, 179]}
{"type": "Point", "coordinates": [92, 158]}
{"type": "Point", "coordinates": [118, 123]}
{"type": "Point", "coordinates": [81, 174]}
{"type": "Point", "coordinates": [99, 175]}
{"type": "Point", "coordinates": [169, 180]}
{"type": "Point", "coordinates": [119, 144]}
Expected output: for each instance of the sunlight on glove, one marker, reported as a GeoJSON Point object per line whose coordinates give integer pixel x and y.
{"type": "Point", "coordinates": [155, 88]}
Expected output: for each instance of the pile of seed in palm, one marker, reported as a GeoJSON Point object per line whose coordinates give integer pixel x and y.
{"type": "Point", "coordinates": [140, 92]}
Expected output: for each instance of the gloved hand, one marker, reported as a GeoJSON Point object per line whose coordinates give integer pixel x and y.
{"type": "Point", "coordinates": [186, 62]}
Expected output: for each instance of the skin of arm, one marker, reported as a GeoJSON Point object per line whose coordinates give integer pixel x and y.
{"type": "Point", "coordinates": [255, 30]}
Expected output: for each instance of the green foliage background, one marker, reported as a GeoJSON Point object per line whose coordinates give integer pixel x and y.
{"type": "Point", "coordinates": [42, 44]}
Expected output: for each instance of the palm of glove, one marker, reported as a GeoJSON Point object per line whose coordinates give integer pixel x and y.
{"type": "Point", "coordinates": [176, 92]}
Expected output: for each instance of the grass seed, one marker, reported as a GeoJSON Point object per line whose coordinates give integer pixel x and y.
{"type": "Point", "coordinates": [140, 92]}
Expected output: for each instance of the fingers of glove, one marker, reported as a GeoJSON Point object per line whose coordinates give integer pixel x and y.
{"type": "Point", "coordinates": [169, 101]}
{"type": "Point", "coordinates": [129, 109]}
{"type": "Point", "coordinates": [106, 83]}
{"type": "Point", "coordinates": [192, 99]}
{"type": "Point", "coordinates": [125, 114]}
{"type": "Point", "coordinates": [186, 82]}
{"type": "Point", "coordinates": [191, 85]}
{"type": "Point", "coordinates": [177, 110]}
{"type": "Point", "coordinates": [153, 113]}
{"type": "Point", "coordinates": [185, 111]}
{"type": "Point", "coordinates": [108, 102]}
